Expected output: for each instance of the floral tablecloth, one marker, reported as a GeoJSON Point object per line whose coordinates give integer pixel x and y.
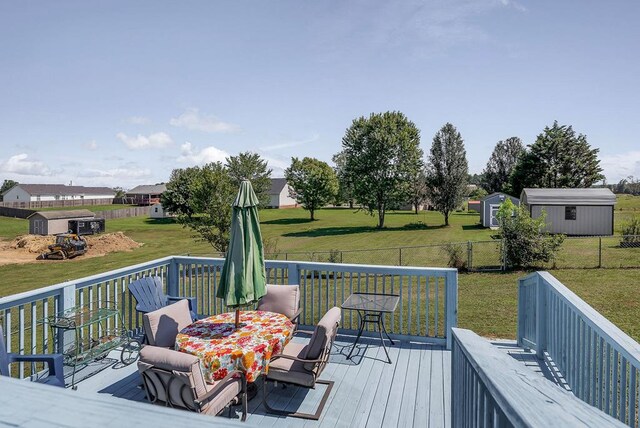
{"type": "Point", "coordinates": [221, 347]}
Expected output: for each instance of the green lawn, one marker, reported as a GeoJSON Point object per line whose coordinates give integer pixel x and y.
{"type": "Point", "coordinates": [487, 300]}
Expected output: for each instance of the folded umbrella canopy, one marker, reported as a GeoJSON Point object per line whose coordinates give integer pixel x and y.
{"type": "Point", "coordinates": [243, 278]}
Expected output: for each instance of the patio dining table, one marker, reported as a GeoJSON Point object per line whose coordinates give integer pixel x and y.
{"type": "Point", "coordinates": [221, 347]}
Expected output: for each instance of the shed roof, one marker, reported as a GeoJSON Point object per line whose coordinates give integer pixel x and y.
{"type": "Point", "coordinates": [55, 215]}
{"type": "Point", "coordinates": [589, 196]}
{"type": "Point", "coordinates": [61, 189]}
{"type": "Point", "coordinates": [277, 184]}
{"type": "Point", "coordinates": [491, 195]}
{"type": "Point", "coordinates": [148, 189]}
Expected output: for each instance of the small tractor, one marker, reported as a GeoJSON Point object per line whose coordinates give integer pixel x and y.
{"type": "Point", "coordinates": [67, 246]}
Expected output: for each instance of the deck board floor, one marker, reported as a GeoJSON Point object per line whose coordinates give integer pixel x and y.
{"type": "Point", "coordinates": [414, 390]}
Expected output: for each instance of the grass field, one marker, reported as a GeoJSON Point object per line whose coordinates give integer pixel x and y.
{"type": "Point", "coordinates": [487, 302]}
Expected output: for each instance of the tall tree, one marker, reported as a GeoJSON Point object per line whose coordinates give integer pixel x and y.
{"type": "Point", "coordinates": [418, 188]}
{"type": "Point", "coordinates": [558, 158]}
{"type": "Point", "coordinates": [250, 166]}
{"type": "Point", "coordinates": [495, 177]}
{"type": "Point", "coordinates": [201, 197]}
{"type": "Point", "coordinates": [345, 186]}
{"type": "Point", "coordinates": [382, 153]}
{"type": "Point", "coordinates": [6, 185]}
{"type": "Point", "coordinates": [314, 183]}
{"type": "Point", "coordinates": [447, 171]}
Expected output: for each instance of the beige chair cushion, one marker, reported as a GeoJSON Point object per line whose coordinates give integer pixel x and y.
{"type": "Point", "coordinates": [285, 370]}
{"type": "Point", "coordinates": [229, 392]}
{"type": "Point", "coordinates": [323, 333]}
{"type": "Point", "coordinates": [282, 299]}
{"type": "Point", "coordinates": [162, 326]}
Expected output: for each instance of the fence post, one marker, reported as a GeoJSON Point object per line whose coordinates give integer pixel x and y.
{"type": "Point", "coordinates": [66, 337]}
{"type": "Point", "coordinates": [400, 256]}
{"type": "Point", "coordinates": [541, 317]}
{"type": "Point", "coordinates": [293, 274]}
{"type": "Point", "coordinates": [600, 251]}
{"type": "Point", "coordinates": [173, 278]}
{"type": "Point", "coordinates": [469, 255]}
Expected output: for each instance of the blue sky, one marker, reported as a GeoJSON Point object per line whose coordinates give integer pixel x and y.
{"type": "Point", "coordinates": [119, 93]}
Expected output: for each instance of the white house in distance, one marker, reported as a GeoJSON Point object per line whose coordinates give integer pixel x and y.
{"type": "Point", "coordinates": [279, 194]}
{"type": "Point", "coordinates": [55, 192]}
{"type": "Point", "coordinates": [573, 211]}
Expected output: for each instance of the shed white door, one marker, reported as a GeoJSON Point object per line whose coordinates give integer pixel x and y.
{"type": "Point", "coordinates": [493, 219]}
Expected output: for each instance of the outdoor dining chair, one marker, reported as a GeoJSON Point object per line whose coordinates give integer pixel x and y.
{"type": "Point", "coordinates": [175, 379]}
{"type": "Point", "coordinates": [282, 299]}
{"type": "Point", "coordinates": [301, 364]}
{"type": "Point", "coordinates": [150, 296]}
{"type": "Point", "coordinates": [55, 374]}
{"type": "Point", "coordinates": [163, 325]}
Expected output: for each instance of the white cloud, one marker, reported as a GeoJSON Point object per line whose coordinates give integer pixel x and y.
{"type": "Point", "coordinates": [190, 155]}
{"type": "Point", "coordinates": [153, 141]}
{"type": "Point", "coordinates": [618, 166]}
{"type": "Point", "coordinates": [129, 172]}
{"type": "Point", "coordinates": [91, 145]}
{"type": "Point", "coordinates": [138, 120]}
{"type": "Point", "coordinates": [21, 164]}
{"type": "Point", "coordinates": [294, 143]}
{"type": "Point", "coordinates": [194, 121]}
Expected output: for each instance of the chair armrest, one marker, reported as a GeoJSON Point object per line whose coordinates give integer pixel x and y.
{"type": "Point", "coordinates": [53, 361]}
{"type": "Point", "coordinates": [296, 317]}
{"type": "Point", "coordinates": [291, 357]}
{"type": "Point", "coordinates": [216, 389]}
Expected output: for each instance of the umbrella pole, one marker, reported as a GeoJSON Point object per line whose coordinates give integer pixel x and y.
{"type": "Point", "coordinates": [237, 317]}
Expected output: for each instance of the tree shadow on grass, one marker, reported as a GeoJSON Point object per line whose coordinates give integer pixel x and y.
{"type": "Point", "coordinates": [160, 221]}
{"type": "Point", "coordinates": [473, 227]}
{"type": "Point", "coordinates": [350, 230]}
{"type": "Point", "coordinates": [285, 221]}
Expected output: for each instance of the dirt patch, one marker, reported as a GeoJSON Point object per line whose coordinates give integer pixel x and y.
{"type": "Point", "coordinates": [25, 248]}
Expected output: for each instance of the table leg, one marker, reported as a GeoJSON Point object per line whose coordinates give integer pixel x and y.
{"type": "Point", "coordinates": [380, 328]}
{"type": "Point", "coordinates": [358, 336]}
{"type": "Point", "coordinates": [385, 331]}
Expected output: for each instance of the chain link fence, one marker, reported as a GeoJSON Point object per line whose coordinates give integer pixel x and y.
{"type": "Point", "coordinates": [576, 252]}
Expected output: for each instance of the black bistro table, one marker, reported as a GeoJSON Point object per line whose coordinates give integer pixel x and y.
{"type": "Point", "coordinates": [371, 308]}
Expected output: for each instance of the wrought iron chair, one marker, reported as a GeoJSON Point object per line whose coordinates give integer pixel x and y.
{"type": "Point", "coordinates": [163, 325]}
{"type": "Point", "coordinates": [175, 379]}
{"type": "Point", "coordinates": [283, 299]}
{"type": "Point", "coordinates": [301, 364]}
{"type": "Point", "coordinates": [150, 296]}
{"type": "Point", "coordinates": [54, 362]}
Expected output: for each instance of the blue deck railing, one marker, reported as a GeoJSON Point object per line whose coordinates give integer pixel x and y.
{"type": "Point", "coordinates": [427, 310]}
{"type": "Point", "coordinates": [597, 360]}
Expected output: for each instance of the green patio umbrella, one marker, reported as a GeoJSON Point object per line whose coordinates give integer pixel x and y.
{"type": "Point", "coordinates": [243, 279]}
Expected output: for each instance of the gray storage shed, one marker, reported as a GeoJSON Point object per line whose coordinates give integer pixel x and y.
{"type": "Point", "coordinates": [54, 222]}
{"type": "Point", "coordinates": [489, 206]}
{"type": "Point", "coordinates": [573, 211]}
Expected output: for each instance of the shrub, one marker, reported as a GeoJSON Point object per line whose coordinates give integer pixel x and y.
{"type": "Point", "coordinates": [457, 256]}
{"type": "Point", "coordinates": [524, 239]}
{"type": "Point", "coordinates": [631, 233]}
{"type": "Point", "coordinates": [335, 256]}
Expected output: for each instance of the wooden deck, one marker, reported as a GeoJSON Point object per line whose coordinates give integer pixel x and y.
{"type": "Point", "coordinates": [414, 390]}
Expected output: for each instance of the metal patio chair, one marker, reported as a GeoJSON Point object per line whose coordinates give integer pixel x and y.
{"type": "Point", "coordinates": [301, 364]}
